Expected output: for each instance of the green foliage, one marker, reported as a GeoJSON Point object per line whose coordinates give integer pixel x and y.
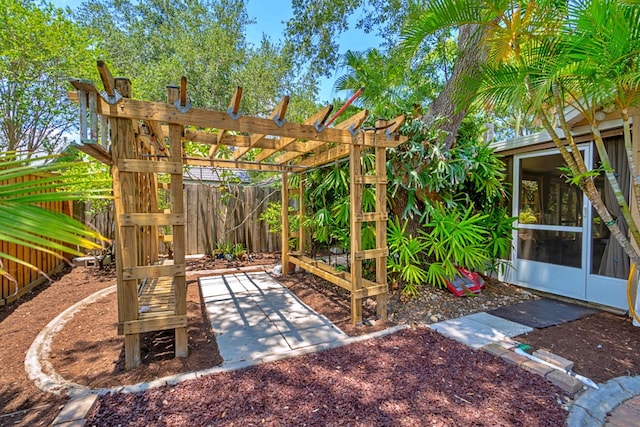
{"type": "Point", "coordinates": [84, 175]}
{"type": "Point", "coordinates": [273, 217]}
{"type": "Point", "coordinates": [404, 261]}
{"type": "Point", "coordinates": [469, 175]}
{"type": "Point", "coordinates": [455, 239]}
{"type": "Point", "coordinates": [155, 42]}
{"type": "Point", "coordinates": [455, 197]}
{"type": "Point", "coordinates": [499, 224]}
{"type": "Point", "coordinates": [451, 239]}
{"type": "Point", "coordinates": [40, 48]}
{"type": "Point", "coordinates": [28, 224]}
{"type": "Point", "coordinates": [390, 90]}
{"type": "Point", "coordinates": [229, 251]}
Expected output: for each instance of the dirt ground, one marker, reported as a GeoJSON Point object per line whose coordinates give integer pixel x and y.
{"type": "Point", "coordinates": [88, 351]}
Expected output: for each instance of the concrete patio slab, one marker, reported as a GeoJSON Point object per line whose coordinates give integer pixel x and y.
{"type": "Point", "coordinates": [479, 329]}
{"type": "Point", "coordinates": [254, 317]}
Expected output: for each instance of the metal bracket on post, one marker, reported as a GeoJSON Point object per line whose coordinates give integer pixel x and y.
{"type": "Point", "coordinates": [111, 99]}
{"type": "Point", "coordinates": [183, 104]}
{"type": "Point", "coordinates": [235, 115]}
{"type": "Point", "coordinates": [234, 105]}
{"type": "Point", "coordinates": [353, 130]}
{"type": "Point", "coordinates": [183, 108]}
{"type": "Point", "coordinates": [280, 122]}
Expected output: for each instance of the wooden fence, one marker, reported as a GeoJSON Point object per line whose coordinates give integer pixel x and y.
{"type": "Point", "coordinates": [216, 215]}
{"type": "Point", "coordinates": [228, 215]}
{"type": "Point", "coordinates": [27, 278]}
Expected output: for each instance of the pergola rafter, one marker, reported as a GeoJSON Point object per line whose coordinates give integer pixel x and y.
{"type": "Point", "coordinates": [146, 140]}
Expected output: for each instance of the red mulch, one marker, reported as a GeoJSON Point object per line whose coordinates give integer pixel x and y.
{"type": "Point", "coordinates": [414, 377]}
{"type": "Point", "coordinates": [602, 346]}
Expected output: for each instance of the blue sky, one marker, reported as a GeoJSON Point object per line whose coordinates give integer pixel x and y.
{"type": "Point", "coordinates": [270, 16]}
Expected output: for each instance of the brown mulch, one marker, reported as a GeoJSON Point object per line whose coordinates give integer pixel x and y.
{"type": "Point", "coordinates": [602, 346]}
{"type": "Point", "coordinates": [89, 351]}
{"type": "Point", "coordinates": [391, 378]}
{"type": "Point", "coordinates": [411, 378]}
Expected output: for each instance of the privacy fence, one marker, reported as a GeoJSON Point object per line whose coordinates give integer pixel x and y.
{"type": "Point", "coordinates": [217, 214]}
{"type": "Point", "coordinates": [22, 279]}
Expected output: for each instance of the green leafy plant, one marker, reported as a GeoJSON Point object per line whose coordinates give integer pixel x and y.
{"type": "Point", "coordinates": [455, 239]}
{"type": "Point", "coordinates": [238, 251]}
{"type": "Point", "coordinates": [273, 217]}
{"type": "Point", "coordinates": [25, 222]}
{"type": "Point", "coordinates": [499, 224]}
{"type": "Point", "coordinates": [404, 260]}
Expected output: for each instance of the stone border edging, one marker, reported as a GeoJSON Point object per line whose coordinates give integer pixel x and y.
{"type": "Point", "coordinates": [592, 407]}
{"type": "Point", "coordinates": [40, 370]}
{"type": "Point", "coordinates": [36, 362]}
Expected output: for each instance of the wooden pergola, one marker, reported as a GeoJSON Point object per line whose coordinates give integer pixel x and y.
{"type": "Point", "coordinates": [141, 140]}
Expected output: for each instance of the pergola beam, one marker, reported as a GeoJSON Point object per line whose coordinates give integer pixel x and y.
{"type": "Point", "coordinates": [317, 120]}
{"type": "Point", "coordinates": [234, 112]}
{"type": "Point", "coordinates": [351, 124]}
{"type": "Point", "coordinates": [164, 112]}
{"type": "Point", "coordinates": [203, 137]}
{"type": "Point", "coordinates": [107, 79]}
{"type": "Point", "coordinates": [95, 150]}
{"type": "Point", "coordinates": [241, 164]}
{"type": "Point", "coordinates": [277, 116]}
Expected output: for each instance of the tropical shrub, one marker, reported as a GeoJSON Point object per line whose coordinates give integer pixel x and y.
{"type": "Point", "coordinates": [453, 205]}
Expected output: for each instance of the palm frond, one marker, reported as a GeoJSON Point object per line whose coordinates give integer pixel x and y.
{"type": "Point", "coordinates": [441, 14]}
{"type": "Point", "coordinates": [26, 186]}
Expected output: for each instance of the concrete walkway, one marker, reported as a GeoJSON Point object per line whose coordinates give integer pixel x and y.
{"type": "Point", "coordinates": [254, 316]}
{"type": "Point", "coordinates": [480, 329]}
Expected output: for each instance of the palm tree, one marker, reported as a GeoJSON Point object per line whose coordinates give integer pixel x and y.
{"type": "Point", "coordinates": [391, 87]}
{"type": "Point", "coordinates": [26, 223]}
{"type": "Point", "coordinates": [547, 56]}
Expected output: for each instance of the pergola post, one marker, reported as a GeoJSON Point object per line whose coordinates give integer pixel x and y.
{"type": "Point", "coordinates": [285, 224]}
{"type": "Point", "coordinates": [124, 190]}
{"type": "Point", "coordinates": [302, 235]}
{"type": "Point", "coordinates": [356, 187]}
{"type": "Point", "coordinates": [381, 229]}
{"type": "Point", "coordinates": [179, 240]}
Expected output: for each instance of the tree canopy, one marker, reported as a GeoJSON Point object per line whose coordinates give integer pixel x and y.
{"type": "Point", "coordinates": [156, 42]}
{"type": "Point", "coordinates": [40, 47]}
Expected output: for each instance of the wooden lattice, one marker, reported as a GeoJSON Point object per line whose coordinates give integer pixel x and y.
{"type": "Point", "coordinates": [146, 140]}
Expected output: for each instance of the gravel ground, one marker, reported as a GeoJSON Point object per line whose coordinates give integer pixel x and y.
{"type": "Point", "coordinates": [435, 305]}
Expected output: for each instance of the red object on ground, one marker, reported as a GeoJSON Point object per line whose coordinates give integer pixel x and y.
{"type": "Point", "coordinates": [465, 282]}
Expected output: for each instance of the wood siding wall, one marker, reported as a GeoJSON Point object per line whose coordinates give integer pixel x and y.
{"type": "Point", "coordinates": [26, 278]}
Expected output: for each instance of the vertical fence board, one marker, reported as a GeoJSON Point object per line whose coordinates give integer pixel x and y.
{"type": "Point", "coordinates": [25, 277]}
{"type": "Point", "coordinates": [212, 218]}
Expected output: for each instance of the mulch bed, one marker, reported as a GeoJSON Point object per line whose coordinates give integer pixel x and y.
{"type": "Point", "coordinates": [414, 377]}
{"type": "Point", "coordinates": [602, 346]}
{"type": "Point", "coordinates": [409, 376]}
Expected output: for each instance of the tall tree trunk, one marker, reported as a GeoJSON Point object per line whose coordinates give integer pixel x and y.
{"type": "Point", "coordinates": [446, 107]}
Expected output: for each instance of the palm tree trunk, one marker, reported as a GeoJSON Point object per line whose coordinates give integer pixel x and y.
{"type": "Point", "coordinates": [587, 185]}
{"type": "Point", "coordinates": [611, 177]}
{"type": "Point", "coordinates": [628, 145]}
